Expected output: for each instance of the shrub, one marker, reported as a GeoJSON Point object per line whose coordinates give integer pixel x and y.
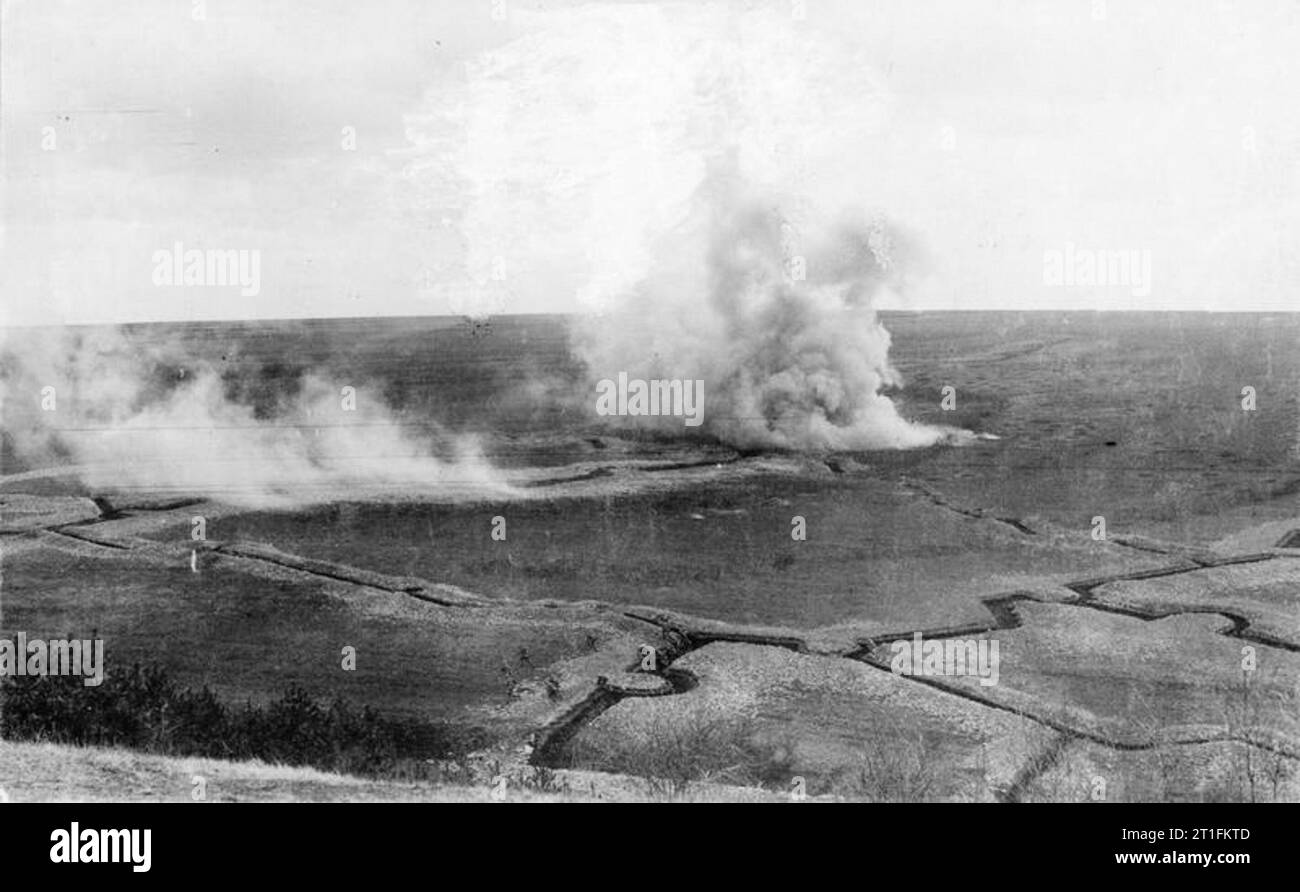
{"type": "Point", "coordinates": [145, 710]}
{"type": "Point", "coordinates": [673, 754]}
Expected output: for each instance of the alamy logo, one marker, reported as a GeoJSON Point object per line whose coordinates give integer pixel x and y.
{"type": "Point", "coordinates": [74, 845]}
{"type": "Point", "coordinates": [947, 656]}
{"type": "Point", "coordinates": [54, 657]}
{"type": "Point", "coordinates": [209, 268]}
{"type": "Point", "coordinates": [1084, 268]}
{"type": "Point", "coordinates": [655, 397]}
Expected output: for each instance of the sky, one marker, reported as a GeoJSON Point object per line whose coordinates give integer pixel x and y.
{"type": "Point", "coordinates": [413, 158]}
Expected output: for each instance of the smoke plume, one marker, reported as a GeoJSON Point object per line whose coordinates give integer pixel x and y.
{"type": "Point", "coordinates": [778, 325]}
{"type": "Point", "coordinates": [699, 175]}
{"type": "Point", "coordinates": [147, 416]}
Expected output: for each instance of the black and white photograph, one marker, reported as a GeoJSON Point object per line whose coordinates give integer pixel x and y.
{"type": "Point", "coordinates": [747, 401]}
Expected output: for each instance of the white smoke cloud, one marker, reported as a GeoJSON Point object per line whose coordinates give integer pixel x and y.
{"type": "Point", "coordinates": [126, 415]}
{"type": "Point", "coordinates": [786, 363]}
{"type": "Point", "coordinates": [675, 160]}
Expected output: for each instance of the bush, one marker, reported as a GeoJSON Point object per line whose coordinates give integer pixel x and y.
{"type": "Point", "coordinates": [896, 767]}
{"type": "Point", "coordinates": [698, 747]}
{"type": "Point", "coordinates": [146, 710]}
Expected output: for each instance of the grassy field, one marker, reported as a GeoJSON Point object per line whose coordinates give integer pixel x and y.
{"type": "Point", "coordinates": [874, 552]}
{"type": "Point", "coordinates": [1135, 418]}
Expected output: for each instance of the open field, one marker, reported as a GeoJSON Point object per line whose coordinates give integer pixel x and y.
{"type": "Point", "coordinates": [1120, 657]}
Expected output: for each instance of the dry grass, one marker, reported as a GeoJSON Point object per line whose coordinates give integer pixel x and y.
{"type": "Point", "coordinates": [673, 755]}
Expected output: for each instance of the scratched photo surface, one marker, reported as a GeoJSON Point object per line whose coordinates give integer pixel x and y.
{"type": "Point", "coordinates": [733, 401]}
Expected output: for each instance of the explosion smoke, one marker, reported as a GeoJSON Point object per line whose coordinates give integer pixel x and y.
{"type": "Point", "coordinates": [678, 160]}
{"type": "Point", "coordinates": [787, 363]}
{"type": "Point", "coordinates": [132, 417]}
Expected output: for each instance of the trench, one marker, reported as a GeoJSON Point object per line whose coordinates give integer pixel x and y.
{"type": "Point", "coordinates": [975, 513]}
{"type": "Point", "coordinates": [1003, 610]}
{"type": "Point", "coordinates": [1035, 768]}
{"type": "Point", "coordinates": [164, 504]}
{"type": "Point", "coordinates": [576, 478]}
{"type": "Point", "coordinates": [610, 471]}
{"type": "Point", "coordinates": [1290, 540]}
{"type": "Point", "coordinates": [236, 550]}
{"type": "Point", "coordinates": [67, 532]}
{"type": "Point", "coordinates": [1137, 543]}
{"type": "Point", "coordinates": [108, 511]}
{"type": "Point", "coordinates": [553, 739]}
{"type": "Point", "coordinates": [679, 640]}
{"type": "Point", "coordinates": [337, 572]}
{"type": "Point", "coordinates": [688, 465]}
{"type": "Point", "coordinates": [556, 735]}
{"type": "Point", "coordinates": [1240, 624]}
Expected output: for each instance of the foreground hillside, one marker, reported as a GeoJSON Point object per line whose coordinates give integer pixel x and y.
{"type": "Point", "coordinates": [36, 772]}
